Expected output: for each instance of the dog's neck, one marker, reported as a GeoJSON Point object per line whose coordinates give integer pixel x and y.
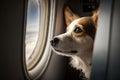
{"type": "Point", "coordinates": [86, 56]}
{"type": "Point", "coordinates": [82, 62]}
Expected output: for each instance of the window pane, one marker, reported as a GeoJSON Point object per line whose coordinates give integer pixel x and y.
{"type": "Point", "coordinates": [32, 29]}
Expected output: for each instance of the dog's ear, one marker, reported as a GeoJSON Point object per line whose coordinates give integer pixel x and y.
{"type": "Point", "coordinates": [69, 15]}
{"type": "Point", "coordinates": [95, 16]}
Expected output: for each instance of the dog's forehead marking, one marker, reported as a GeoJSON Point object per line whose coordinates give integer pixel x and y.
{"type": "Point", "coordinates": [72, 25]}
{"type": "Point", "coordinates": [86, 24]}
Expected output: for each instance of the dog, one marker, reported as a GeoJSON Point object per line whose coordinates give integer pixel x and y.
{"type": "Point", "coordinates": [78, 40]}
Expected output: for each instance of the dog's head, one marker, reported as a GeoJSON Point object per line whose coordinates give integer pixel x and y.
{"type": "Point", "coordinates": [79, 36]}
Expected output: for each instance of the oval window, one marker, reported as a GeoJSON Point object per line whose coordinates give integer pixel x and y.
{"type": "Point", "coordinates": [39, 31]}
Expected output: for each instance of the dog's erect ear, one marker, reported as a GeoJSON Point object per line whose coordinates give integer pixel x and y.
{"type": "Point", "coordinates": [95, 16]}
{"type": "Point", "coordinates": [69, 15]}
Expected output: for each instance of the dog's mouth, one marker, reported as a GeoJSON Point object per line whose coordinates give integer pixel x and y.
{"type": "Point", "coordinates": [71, 51]}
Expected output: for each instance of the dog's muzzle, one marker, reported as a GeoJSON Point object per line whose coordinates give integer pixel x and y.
{"type": "Point", "coordinates": [55, 41]}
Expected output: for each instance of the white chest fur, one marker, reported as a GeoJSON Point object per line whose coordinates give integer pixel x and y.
{"type": "Point", "coordinates": [79, 64]}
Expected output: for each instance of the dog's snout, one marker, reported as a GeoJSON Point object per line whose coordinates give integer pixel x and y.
{"type": "Point", "coordinates": [54, 42]}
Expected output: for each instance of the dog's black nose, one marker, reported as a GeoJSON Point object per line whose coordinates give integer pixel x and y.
{"type": "Point", "coordinates": [54, 42]}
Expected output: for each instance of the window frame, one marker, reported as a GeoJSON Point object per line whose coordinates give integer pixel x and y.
{"type": "Point", "coordinates": [42, 53]}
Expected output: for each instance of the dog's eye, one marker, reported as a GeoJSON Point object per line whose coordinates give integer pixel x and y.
{"type": "Point", "coordinates": [77, 30]}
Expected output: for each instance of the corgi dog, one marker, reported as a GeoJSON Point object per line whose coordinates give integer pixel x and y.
{"type": "Point", "coordinates": [78, 40]}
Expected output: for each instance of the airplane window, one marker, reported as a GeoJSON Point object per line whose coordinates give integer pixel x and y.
{"type": "Point", "coordinates": [32, 29]}
{"type": "Point", "coordinates": [39, 31]}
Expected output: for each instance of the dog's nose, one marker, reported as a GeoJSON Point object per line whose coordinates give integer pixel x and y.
{"type": "Point", "coordinates": [54, 42]}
